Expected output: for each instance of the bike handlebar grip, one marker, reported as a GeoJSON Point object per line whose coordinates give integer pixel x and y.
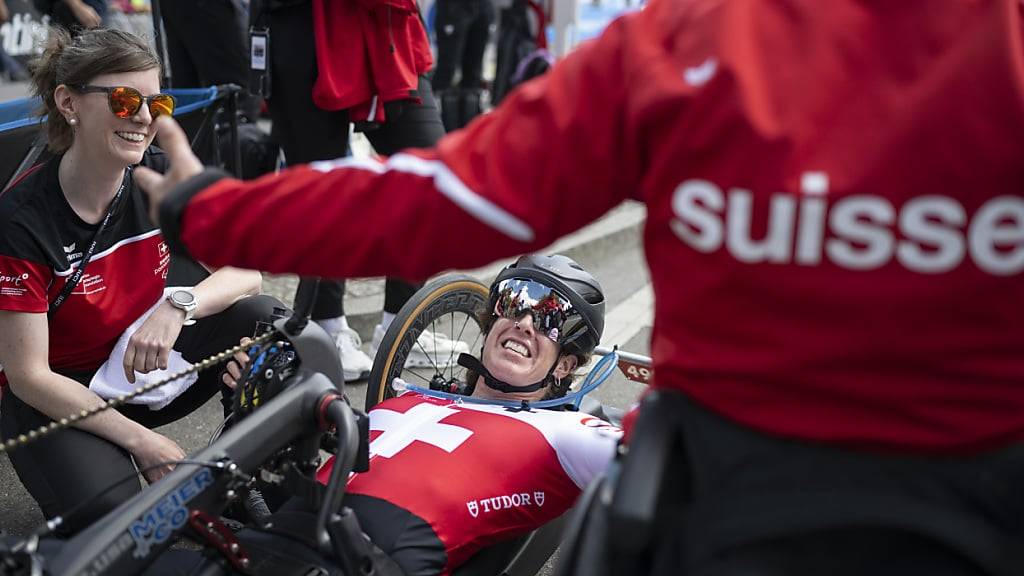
{"type": "Point", "coordinates": [362, 463]}
{"type": "Point", "coordinates": [305, 298]}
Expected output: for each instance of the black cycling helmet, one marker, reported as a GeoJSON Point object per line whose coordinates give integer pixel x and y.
{"type": "Point", "coordinates": [571, 281]}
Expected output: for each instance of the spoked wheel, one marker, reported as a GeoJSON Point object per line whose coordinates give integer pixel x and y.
{"type": "Point", "coordinates": [425, 339]}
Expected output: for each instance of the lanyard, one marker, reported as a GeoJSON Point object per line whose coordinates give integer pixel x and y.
{"type": "Point", "coordinates": [76, 276]}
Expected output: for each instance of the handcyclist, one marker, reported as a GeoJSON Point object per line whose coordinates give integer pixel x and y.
{"type": "Point", "coordinates": [835, 235]}
{"type": "Point", "coordinates": [61, 331]}
{"type": "Point", "coordinates": [443, 482]}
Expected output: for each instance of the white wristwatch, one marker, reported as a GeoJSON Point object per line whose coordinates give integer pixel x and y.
{"type": "Point", "coordinates": [183, 299]}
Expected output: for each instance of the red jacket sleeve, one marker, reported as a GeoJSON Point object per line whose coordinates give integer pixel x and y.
{"type": "Point", "coordinates": [552, 158]}
{"type": "Point", "coordinates": [407, 5]}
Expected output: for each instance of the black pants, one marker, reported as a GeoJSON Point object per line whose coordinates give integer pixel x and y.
{"type": "Point", "coordinates": [402, 535]}
{"type": "Point", "coordinates": [308, 133]}
{"type": "Point", "coordinates": [406, 538]}
{"type": "Point", "coordinates": [736, 501]}
{"type": "Point", "coordinates": [463, 28]}
{"type": "Point", "coordinates": [73, 467]}
{"type": "Point", "coordinates": [207, 44]}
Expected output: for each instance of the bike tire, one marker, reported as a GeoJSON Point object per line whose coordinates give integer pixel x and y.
{"type": "Point", "coordinates": [449, 295]}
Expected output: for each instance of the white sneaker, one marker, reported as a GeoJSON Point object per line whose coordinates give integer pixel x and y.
{"type": "Point", "coordinates": [435, 350]}
{"type": "Point", "coordinates": [354, 362]}
{"type": "Point", "coordinates": [378, 338]}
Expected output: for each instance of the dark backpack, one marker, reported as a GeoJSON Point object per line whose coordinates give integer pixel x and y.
{"type": "Point", "coordinates": [258, 151]}
{"type": "Point", "coordinates": [522, 47]}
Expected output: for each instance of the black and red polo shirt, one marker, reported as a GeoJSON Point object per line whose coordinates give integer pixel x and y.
{"type": "Point", "coordinates": [42, 241]}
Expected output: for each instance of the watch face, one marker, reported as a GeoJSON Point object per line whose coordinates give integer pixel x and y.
{"type": "Point", "coordinates": [183, 297]}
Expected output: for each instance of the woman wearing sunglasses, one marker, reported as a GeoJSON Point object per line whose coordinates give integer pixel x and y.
{"type": "Point", "coordinates": [65, 325]}
{"type": "Point", "coordinates": [449, 477]}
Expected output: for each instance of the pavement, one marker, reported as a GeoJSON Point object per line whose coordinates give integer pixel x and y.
{"type": "Point", "coordinates": [14, 90]}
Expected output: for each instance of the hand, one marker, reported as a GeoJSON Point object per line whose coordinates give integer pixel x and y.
{"type": "Point", "coordinates": [184, 165]}
{"type": "Point", "coordinates": [150, 345]}
{"type": "Point", "coordinates": [233, 370]}
{"type": "Point", "coordinates": [153, 448]}
{"type": "Point", "coordinates": [84, 13]}
{"type": "Point", "coordinates": [5, 14]}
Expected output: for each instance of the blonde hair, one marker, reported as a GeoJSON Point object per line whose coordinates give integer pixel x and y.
{"type": "Point", "coordinates": [76, 60]}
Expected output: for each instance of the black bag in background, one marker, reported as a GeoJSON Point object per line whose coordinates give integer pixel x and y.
{"type": "Point", "coordinates": [259, 151]}
{"type": "Point", "coordinates": [521, 56]}
{"type": "Point", "coordinates": [459, 106]}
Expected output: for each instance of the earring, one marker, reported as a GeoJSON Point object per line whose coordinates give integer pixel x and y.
{"type": "Point", "coordinates": [72, 121]}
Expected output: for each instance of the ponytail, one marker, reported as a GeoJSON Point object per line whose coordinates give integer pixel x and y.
{"type": "Point", "coordinates": [44, 82]}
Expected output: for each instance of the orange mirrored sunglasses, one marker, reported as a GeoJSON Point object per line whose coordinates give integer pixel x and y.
{"type": "Point", "coordinates": [125, 101]}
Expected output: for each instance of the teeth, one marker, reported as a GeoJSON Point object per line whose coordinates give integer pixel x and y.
{"type": "Point", "coordinates": [516, 347]}
{"type": "Point", "coordinates": [132, 136]}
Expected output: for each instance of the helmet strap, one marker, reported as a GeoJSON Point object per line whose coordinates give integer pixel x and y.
{"type": "Point", "coordinates": [471, 362]}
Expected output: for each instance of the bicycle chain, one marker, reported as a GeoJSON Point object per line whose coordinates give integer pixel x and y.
{"type": "Point", "coordinates": [43, 431]}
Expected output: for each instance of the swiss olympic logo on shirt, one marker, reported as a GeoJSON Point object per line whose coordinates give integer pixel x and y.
{"type": "Point", "coordinates": [90, 284]}
{"type": "Point", "coordinates": [505, 502]}
{"type": "Point", "coordinates": [165, 260]}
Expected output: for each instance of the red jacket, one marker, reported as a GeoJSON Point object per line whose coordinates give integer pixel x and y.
{"type": "Point", "coordinates": [835, 198]}
{"type": "Point", "coordinates": [368, 52]}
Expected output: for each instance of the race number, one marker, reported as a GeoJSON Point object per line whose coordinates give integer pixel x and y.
{"type": "Point", "coordinates": [635, 372]}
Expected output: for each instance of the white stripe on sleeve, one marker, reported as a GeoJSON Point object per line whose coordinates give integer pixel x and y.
{"type": "Point", "coordinates": [368, 164]}
{"type": "Point", "coordinates": [448, 184]}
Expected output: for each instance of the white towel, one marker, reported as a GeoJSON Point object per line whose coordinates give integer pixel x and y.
{"type": "Point", "coordinates": [110, 382]}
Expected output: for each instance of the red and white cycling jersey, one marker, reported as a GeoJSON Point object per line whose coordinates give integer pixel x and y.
{"type": "Point", "coordinates": [479, 474]}
{"type": "Point", "coordinates": [835, 195]}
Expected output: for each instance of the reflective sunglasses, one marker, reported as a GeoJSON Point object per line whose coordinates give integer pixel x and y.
{"type": "Point", "coordinates": [125, 101]}
{"type": "Point", "coordinates": [553, 314]}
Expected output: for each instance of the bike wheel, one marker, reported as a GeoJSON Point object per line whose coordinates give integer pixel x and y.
{"type": "Point", "coordinates": [447, 306]}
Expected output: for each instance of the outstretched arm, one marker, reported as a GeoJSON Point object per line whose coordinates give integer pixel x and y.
{"type": "Point", "coordinates": [552, 158]}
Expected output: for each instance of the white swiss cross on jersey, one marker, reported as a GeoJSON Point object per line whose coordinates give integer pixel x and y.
{"type": "Point", "coordinates": [419, 424]}
{"type": "Point", "coordinates": [477, 473]}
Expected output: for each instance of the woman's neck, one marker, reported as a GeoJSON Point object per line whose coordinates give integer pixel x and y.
{"type": "Point", "coordinates": [89, 186]}
{"type": "Point", "coordinates": [485, 392]}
